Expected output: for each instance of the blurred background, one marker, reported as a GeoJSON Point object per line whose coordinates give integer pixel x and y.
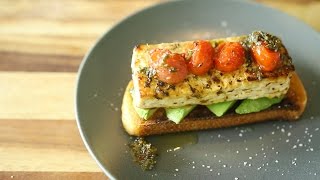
{"type": "Point", "coordinates": [42, 43]}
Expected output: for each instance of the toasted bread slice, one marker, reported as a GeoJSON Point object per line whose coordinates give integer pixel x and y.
{"type": "Point", "coordinates": [290, 109]}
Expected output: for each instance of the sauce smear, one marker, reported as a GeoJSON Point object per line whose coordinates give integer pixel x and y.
{"type": "Point", "coordinates": [143, 153]}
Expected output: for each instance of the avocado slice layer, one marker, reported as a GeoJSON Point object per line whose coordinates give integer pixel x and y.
{"type": "Point", "coordinates": [177, 114]}
{"type": "Point", "coordinates": [145, 113]}
{"type": "Point", "coordinates": [221, 108]}
{"type": "Point", "coordinates": [256, 105]}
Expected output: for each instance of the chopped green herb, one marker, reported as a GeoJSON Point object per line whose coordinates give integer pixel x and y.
{"type": "Point", "coordinates": [270, 41]}
{"type": "Point", "coordinates": [164, 58]}
{"type": "Point", "coordinates": [172, 69]}
{"type": "Point", "coordinates": [143, 153]}
{"type": "Point", "coordinates": [149, 72]}
{"type": "Point", "coordinates": [189, 54]}
{"type": "Point", "coordinates": [143, 70]}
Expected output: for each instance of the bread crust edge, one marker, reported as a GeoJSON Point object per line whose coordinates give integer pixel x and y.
{"type": "Point", "coordinates": [136, 126]}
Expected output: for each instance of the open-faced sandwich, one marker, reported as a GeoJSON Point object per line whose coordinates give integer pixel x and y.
{"type": "Point", "coordinates": [205, 84]}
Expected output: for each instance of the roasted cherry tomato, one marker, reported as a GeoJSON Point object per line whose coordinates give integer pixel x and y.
{"type": "Point", "coordinates": [229, 57]}
{"type": "Point", "coordinates": [202, 58]}
{"type": "Point", "coordinates": [158, 54]}
{"type": "Point", "coordinates": [170, 67]}
{"type": "Point", "coordinates": [267, 59]}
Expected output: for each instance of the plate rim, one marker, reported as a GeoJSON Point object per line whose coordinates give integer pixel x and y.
{"type": "Point", "coordinates": [81, 68]}
{"type": "Point", "coordinates": [99, 40]}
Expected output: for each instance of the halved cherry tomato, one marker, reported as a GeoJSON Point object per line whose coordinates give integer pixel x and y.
{"type": "Point", "coordinates": [267, 59]}
{"type": "Point", "coordinates": [230, 56]}
{"type": "Point", "coordinates": [173, 69]}
{"type": "Point", "coordinates": [157, 54]}
{"type": "Point", "coordinates": [202, 58]}
{"type": "Point", "coordinates": [170, 67]}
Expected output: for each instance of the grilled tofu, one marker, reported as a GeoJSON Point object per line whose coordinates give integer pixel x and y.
{"type": "Point", "coordinates": [213, 87]}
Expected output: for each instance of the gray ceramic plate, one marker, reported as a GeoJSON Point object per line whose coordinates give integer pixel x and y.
{"type": "Point", "coordinates": [269, 150]}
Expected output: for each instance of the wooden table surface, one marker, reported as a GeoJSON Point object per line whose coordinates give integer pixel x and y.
{"type": "Point", "coordinates": [42, 43]}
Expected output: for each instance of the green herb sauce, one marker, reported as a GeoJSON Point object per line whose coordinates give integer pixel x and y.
{"type": "Point", "coordinates": [144, 153]}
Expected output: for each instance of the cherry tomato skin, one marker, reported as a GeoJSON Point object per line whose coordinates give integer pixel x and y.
{"type": "Point", "coordinates": [158, 54]}
{"type": "Point", "coordinates": [230, 56]}
{"type": "Point", "coordinates": [202, 58]}
{"type": "Point", "coordinates": [172, 70]}
{"type": "Point", "coordinates": [267, 59]}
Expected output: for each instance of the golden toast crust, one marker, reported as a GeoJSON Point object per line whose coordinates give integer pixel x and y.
{"type": "Point", "coordinates": [136, 126]}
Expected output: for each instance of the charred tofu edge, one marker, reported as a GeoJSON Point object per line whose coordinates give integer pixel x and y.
{"type": "Point", "coordinates": [211, 88]}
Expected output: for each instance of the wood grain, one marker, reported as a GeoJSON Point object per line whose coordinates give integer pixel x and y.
{"type": "Point", "coordinates": [23, 175]}
{"type": "Point", "coordinates": [43, 145]}
{"type": "Point", "coordinates": [42, 43]}
{"type": "Point", "coordinates": [306, 10]}
{"type": "Point", "coordinates": [24, 61]}
{"type": "Point", "coordinates": [37, 95]}
{"type": "Point", "coordinates": [62, 31]}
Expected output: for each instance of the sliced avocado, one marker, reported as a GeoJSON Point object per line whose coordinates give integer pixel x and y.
{"type": "Point", "coordinates": [256, 105]}
{"type": "Point", "coordinates": [145, 113]}
{"type": "Point", "coordinates": [177, 114]}
{"type": "Point", "coordinates": [221, 108]}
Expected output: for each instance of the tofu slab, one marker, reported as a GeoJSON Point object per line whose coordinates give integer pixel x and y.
{"type": "Point", "coordinates": [211, 88]}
